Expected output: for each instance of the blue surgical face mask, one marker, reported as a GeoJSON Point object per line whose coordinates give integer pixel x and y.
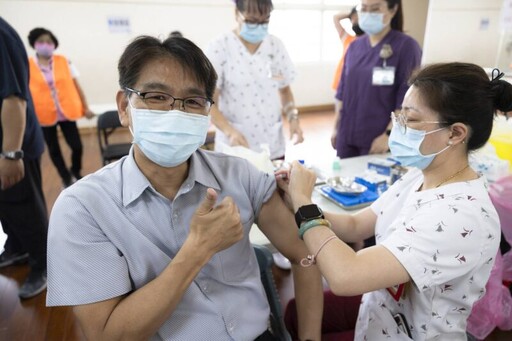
{"type": "Point", "coordinates": [255, 34]}
{"type": "Point", "coordinates": [406, 147]}
{"type": "Point", "coordinates": [168, 138]}
{"type": "Point", "coordinates": [371, 23]}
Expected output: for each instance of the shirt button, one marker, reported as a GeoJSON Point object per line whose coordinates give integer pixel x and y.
{"type": "Point", "coordinates": [231, 327]}
{"type": "Point", "coordinates": [176, 215]}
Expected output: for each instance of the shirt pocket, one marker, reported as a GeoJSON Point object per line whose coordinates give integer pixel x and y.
{"type": "Point", "coordinates": [238, 261]}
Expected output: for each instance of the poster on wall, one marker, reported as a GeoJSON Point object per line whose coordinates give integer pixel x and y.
{"type": "Point", "coordinates": [119, 24]}
{"type": "Point", "coordinates": [506, 16]}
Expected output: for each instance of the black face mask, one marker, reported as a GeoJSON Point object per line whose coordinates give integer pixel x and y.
{"type": "Point", "coordinates": [357, 30]}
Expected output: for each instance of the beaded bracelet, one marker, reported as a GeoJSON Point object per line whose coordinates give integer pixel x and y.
{"type": "Point", "coordinates": [311, 259]}
{"type": "Point", "coordinates": [312, 223]}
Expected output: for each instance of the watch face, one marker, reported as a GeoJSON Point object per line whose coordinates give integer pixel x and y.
{"type": "Point", "coordinates": [307, 212]}
{"type": "Point", "coordinates": [310, 211]}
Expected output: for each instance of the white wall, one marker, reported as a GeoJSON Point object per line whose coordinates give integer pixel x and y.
{"type": "Point", "coordinates": [83, 32]}
{"type": "Point", "coordinates": [463, 30]}
{"type": "Point", "coordinates": [84, 37]}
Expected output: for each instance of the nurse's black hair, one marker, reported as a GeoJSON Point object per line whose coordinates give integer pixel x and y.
{"type": "Point", "coordinates": [39, 31]}
{"type": "Point", "coordinates": [397, 23]}
{"type": "Point", "coordinates": [462, 92]}
{"type": "Point", "coordinates": [260, 6]}
{"type": "Point", "coordinates": [145, 49]}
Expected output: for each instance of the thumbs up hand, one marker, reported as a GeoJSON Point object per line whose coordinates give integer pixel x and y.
{"type": "Point", "coordinates": [215, 228]}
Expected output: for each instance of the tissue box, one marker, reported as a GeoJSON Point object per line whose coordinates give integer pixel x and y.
{"type": "Point", "coordinates": [381, 166]}
{"type": "Point", "coordinates": [374, 182]}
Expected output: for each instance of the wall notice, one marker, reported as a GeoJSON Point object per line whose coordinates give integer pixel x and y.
{"type": "Point", "coordinates": [119, 24]}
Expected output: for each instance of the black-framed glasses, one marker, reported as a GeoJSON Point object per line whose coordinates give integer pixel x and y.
{"type": "Point", "coordinates": [400, 119]}
{"type": "Point", "coordinates": [255, 23]}
{"type": "Point", "coordinates": [161, 101]}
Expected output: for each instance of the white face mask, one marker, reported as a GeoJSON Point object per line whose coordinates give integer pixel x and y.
{"type": "Point", "coordinates": [168, 138]}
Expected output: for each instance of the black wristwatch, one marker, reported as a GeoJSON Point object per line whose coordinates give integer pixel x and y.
{"type": "Point", "coordinates": [12, 155]}
{"type": "Point", "coordinates": [308, 212]}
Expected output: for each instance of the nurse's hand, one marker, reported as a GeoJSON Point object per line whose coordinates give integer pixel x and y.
{"type": "Point", "coordinates": [379, 145]}
{"type": "Point", "coordinates": [301, 185]}
{"type": "Point", "coordinates": [282, 180]}
{"type": "Point", "coordinates": [237, 139]}
{"type": "Point", "coordinates": [333, 138]}
{"type": "Point", "coordinates": [296, 132]}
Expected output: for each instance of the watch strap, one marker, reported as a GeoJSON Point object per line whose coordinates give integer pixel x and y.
{"type": "Point", "coordinates": [12, 154]}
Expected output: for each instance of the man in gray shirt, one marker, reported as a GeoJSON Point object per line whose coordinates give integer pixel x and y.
{"type": "Point", "coordinates": [156, 246]}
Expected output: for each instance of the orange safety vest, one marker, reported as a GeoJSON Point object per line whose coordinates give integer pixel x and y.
{"type": "Point", "coordinates": [339, 69]}
{"type": "Point", "coordinates": [67, 93]}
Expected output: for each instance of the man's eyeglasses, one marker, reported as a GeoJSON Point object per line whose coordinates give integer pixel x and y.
{"type": "Point", "coordinates": [400, 120]}
{"type": "Point", "coordinates": [255, 23]}
{"type": "Point", "coordinates": [156, 100]}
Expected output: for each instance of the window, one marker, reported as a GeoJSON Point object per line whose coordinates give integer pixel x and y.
{"type": "Point", "coordinates": [306, 28]}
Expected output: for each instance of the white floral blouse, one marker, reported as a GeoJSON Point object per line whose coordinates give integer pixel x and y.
{"type": "Point", "coordinates": [447, 239]}
{"type": "Point", "coordinates": [249, 89]}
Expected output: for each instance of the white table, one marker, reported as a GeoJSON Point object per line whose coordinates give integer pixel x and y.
{"type": "Point", "coordinates": [349, 168]}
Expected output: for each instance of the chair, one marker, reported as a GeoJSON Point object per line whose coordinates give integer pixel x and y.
{"type": "Point", "coordinates": [265, 262]}
{"type": "Point", "coordinates": [108, 122]}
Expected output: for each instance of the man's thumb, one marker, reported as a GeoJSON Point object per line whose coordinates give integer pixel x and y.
{"type": "Point", "coordinates": [208, 202]}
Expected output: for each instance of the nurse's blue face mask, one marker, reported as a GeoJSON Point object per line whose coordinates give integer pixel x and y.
{"type": "Point", "coordinates": [371, 17]}
{"type": "Point", "coordinates": [254, 31]}
{"type": "Point", "coordinates": [371, 23]}
{"type": "Point", "coordinates": [405, 142]}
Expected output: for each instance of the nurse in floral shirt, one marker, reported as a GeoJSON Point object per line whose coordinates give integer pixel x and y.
{"type": "Point", "coordinates": [254, 87]}
{"type": "Point", "coordinates": [436, 229]}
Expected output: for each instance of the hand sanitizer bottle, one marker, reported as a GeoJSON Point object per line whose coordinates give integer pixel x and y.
{"type": "Point", "coordinates": [336, 167]}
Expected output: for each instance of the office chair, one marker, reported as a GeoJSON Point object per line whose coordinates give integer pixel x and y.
{"type": "Point", "coordinates": [265, 262]}
{"type": "Point", "coordinates": [108, 122]}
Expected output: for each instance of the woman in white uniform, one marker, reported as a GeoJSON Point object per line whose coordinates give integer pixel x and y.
{"type": "Point", "coordinates": [253, 89]}
{"type": "Point", "coordinates": [436, 229]}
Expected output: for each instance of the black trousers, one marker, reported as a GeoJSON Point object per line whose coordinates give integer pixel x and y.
{"type": "Point", "coordinates": [266, 336]}
{"type": "Point", "coordinates": [24, 216]}
{"type": "Point", "coordinates": [72, 137]}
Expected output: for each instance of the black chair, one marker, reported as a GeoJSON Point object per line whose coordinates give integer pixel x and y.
{"type": "Point", "coordinates": [265, 262]}
{"type": "Point", "coordinates": [108, 122]}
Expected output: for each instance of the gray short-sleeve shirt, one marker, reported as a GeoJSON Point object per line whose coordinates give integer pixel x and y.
{"type": "Point", "coordinates": [112, 233]}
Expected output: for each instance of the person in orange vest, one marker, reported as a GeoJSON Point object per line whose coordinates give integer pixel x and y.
{"type": "Point", "coordinates": [58, 100]}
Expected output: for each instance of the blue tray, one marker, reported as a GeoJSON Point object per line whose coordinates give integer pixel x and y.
{"type": "Point", "coordinates": [348, 202]}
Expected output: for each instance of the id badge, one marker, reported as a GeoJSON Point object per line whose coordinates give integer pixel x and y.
{"type": "Point", "coordinates": [383, 75]}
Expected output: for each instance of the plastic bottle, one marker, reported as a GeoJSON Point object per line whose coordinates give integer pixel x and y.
{"type": "Point", "coordinates": [336, 167]}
